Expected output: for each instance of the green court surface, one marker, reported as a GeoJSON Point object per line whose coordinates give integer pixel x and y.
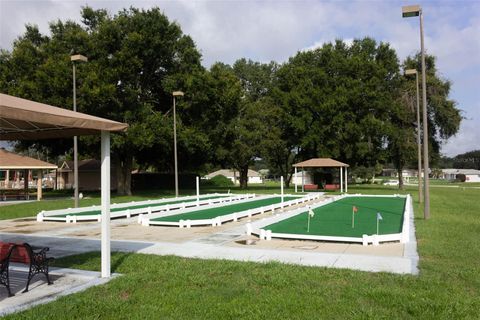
{"type": "Point", "coordinates": [223, 210]}
{"type": "Point", "coordinates": [335, 219]}
{"type": "Point", "coordinates": [98, 212]}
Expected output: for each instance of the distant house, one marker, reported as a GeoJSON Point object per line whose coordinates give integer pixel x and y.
{"type": "Point", "coordinates": [307, 178]}
{"type": "Point", "coordinates": [471, 175]}
{"type": "Point", "coordinates": [88, 175]}
{"type": "Point", "coordinates": [406, 173]}
{"type": "Point", "coordinates": [234, 176]}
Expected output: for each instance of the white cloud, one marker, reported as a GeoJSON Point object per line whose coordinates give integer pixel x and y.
{"type": "Point", "coordinates": [466, 139]}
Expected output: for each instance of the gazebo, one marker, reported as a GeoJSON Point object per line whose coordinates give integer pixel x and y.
{"type": "Point", "coordinates": [10, 161]}
{"type": "Point", "coordinates": [22, 119]}
{"type": "Point", "coordinates": [322, 163]}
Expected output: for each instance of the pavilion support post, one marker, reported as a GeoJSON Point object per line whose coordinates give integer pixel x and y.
{"type": "Point", "coordinates": [7, 179]}
{"type": "Point", "coordinates": [346, 179]}
{"type": "Point", "coordinates": [295, 180]}
{"type": "Point", "coordinates": [105, 192]}
{"type": "Point", "coordinates": [39, 185]}
{"type": "Point", "coordinates": [341, 179]}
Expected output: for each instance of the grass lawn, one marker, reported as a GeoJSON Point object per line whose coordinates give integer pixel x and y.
{"type": "Point", "coordinates": [153, 287]}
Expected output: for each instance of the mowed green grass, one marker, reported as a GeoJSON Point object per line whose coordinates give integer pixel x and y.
{"type": "Point", "coordinates": [132, 207]}
{"type": "Point", "coordinates": [223, 210]}
{"type": "Point", "coordinates": [155, 287]}
{"type": "Point", "coordinates": [335, 219]}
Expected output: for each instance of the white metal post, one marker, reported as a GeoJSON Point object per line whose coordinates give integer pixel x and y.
{"type": "Point", "coordinates": [105, 191]}
{"type": "Point", "coordinates": [296, 186]}
{"type": "Point", "coordinates": [281, 188]}
{"type": "Point", "coordinates": [198, 188]}
{"type": "Point", "coordinates": [341, 179]}
{"type": "Point", "coordinates": [346, 180]}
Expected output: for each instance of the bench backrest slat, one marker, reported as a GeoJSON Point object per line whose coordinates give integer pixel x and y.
{"type": "Point", "coordinates": [21, 253]}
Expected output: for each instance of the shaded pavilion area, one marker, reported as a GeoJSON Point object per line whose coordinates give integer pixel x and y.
{"type": "Point", "coordinates": [323, 163]}
{"type": "Point", "coordinates": [22, 119]}
{"type": "Point", "coordinates": [12, 166]}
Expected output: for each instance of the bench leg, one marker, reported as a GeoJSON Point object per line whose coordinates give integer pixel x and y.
{"type": "Point", "coordinates": [37, 270]}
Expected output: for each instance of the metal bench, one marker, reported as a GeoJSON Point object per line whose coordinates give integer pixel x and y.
{"type": "Point", "coordinates": [24, 253]}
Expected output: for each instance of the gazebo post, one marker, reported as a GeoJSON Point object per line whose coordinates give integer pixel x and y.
{"type": "Point", "coordinates": [39, 185]}
{"type": "Point", "coordinates": [25, 183]}
{"type": "Point", "coordinates": [296, 185]}
{"type": "Point", "coordinates": [303, 180]}
{"type": "Point", "coordinates": [341, 179]}
{"type": "Point", "coordinates": [105, 191]}
{"type": "Point", "coordinates": [346, 179]}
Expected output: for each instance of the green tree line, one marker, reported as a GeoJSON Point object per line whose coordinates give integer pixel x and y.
{"type": "Point", "coordinates": [348, 102]}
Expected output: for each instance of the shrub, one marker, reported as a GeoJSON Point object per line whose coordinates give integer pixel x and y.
{"type": "Point", "coordinates": [461, 177]}
{"type": "Point", "coordinates": [218, 181]}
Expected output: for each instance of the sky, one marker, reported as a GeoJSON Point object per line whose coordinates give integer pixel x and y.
{"type": "Point", "coordinates": [276, 30]}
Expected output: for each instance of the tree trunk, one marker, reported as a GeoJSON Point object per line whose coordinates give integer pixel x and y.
{"type": "Point", "coordinates": [123, 169]}
{"type": "Point", "coordinates": [243, 177]}
{"type": "Point", "coordinates": [400, 177]}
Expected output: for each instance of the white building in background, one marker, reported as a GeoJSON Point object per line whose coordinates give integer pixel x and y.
{"type": "Point", "coordinates": [297, 179]}
{"type": "Point", "coordinates": [234, 176]}
{"type": "Point", "coordinates": [471, 175]}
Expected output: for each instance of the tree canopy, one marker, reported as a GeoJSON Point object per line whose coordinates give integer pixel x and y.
{"type": "Point", "coordinates": [346, 101]}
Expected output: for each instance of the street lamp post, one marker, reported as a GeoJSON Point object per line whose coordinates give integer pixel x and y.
{"type": "Point", "coordinates": [419, 145]}
{"type": "Point", "coordinates": [175, 94]}
{"type": "Point", "coordinates": [415, 11]}
{"type": "Point", "coordinates": [74, 59]}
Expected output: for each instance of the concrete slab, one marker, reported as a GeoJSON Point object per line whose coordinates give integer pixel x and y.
{"type": "Point", "coordinates": [65, 281]}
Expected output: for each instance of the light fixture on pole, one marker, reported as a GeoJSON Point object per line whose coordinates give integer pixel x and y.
{"type": "Point", "coordinates": [416, 11]}
{"type": "Point", "coordinates": [175, 94]}
{"type": "Point", "coordinates": [75, 58]}
{"type": "Point", "coordinates": [419, 144]}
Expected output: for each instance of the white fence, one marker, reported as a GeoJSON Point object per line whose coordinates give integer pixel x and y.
{"type": "Point", "coordinates": [75, 214]}
{"type": "Point", "coordinates": [258, 228]}
{"type": "Point", "coordinates": [217, 221]}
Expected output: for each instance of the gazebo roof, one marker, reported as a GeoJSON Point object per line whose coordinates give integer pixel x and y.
{"type": "Point", "coordinates": [22, 119]}
{"type": "Point", "coordinates": [13, 161]}
{"type": "Point", "coordinates": [320, 163]}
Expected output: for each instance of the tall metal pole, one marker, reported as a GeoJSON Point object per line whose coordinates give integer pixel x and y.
{"type": "Point", "coordinates": [426, 211]}
{"type": "Point", "coordinates": [75, 154]}
{"type": "Point", "coordinates": [419, 144]}
{"type": "Point", "coordinates": [175, 146]}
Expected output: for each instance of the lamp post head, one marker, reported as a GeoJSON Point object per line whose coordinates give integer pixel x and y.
{"type": "Point", "coordinates": [177, 93]}
{"type": "Point", "coordinates": [411, 11]}
{"type": "Point", "coordinates": [409, 72]}
{"type": "Point", "coordinates": [79, 58]}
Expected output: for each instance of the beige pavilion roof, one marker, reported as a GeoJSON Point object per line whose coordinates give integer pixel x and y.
{"type": "Point", "coordinates": [13, 161]}
{"type": "Point", "coordinates": [320, 163]}
{"type": "Point", "coordinates": [22, 119]}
